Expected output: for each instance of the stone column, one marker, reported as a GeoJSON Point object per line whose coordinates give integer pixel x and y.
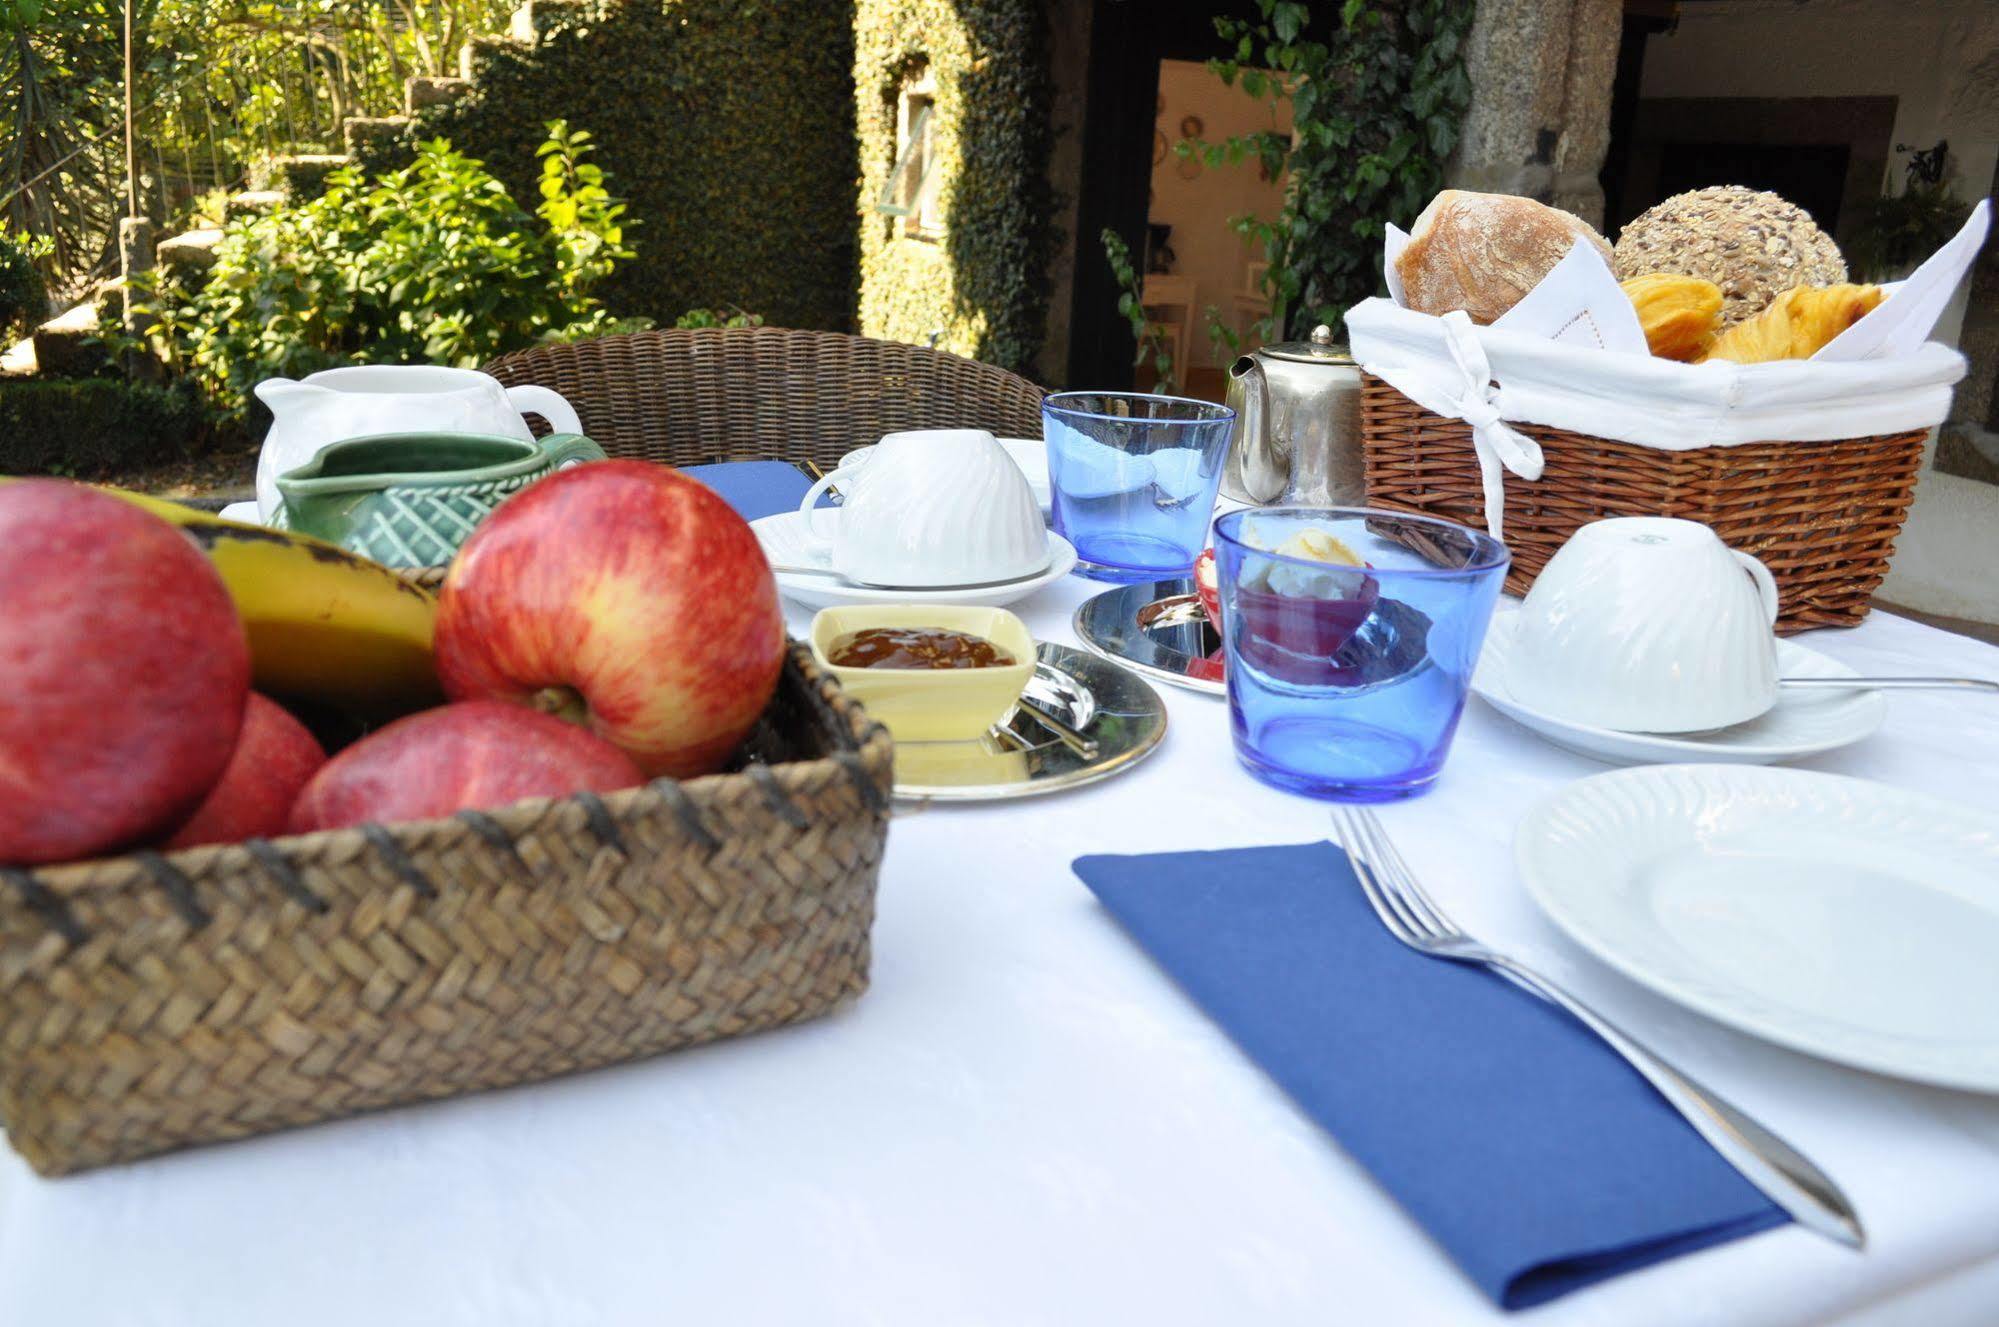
{"type": "Point", "coordinates": [135, 255]}
{"type": "Point", "coordinates": [1539, 120]}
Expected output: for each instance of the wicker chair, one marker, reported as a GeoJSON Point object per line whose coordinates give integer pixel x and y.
{"type": "Point", "coordinates": [744, 393]}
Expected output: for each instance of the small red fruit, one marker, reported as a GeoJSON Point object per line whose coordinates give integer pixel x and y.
{"type": "Point", "coordinates": [123, 673]}
{"type": "Point", "coordinates": [628, 595]}
{"type": "Point", "coordinates": [274, 758]}
{"type": "Point", "coordinates": [473, 755]}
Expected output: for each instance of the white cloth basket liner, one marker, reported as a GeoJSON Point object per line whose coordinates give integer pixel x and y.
{"type": "Point", "coordinates": [1491, 378]}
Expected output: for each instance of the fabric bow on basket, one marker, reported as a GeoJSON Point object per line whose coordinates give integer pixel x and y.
{"type": "Point", "coordinates": [1496, 443]}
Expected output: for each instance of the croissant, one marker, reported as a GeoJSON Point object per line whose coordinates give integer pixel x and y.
{"type": "Point", "coordinates": [1797, 323]}
{"type": "Point", "coordinates": [1680, 314]}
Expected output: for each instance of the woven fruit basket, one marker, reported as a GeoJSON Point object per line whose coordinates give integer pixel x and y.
{"type": "Point", "coordinates": [1822, 516]}
{"type": "Point", "coordinates": [149, 1002]}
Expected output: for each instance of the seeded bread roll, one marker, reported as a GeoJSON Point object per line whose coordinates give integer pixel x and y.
{"type": "Point", "coordinates": [1755, 246]}
{"type": "Point", "coordinates": [1482, 252]}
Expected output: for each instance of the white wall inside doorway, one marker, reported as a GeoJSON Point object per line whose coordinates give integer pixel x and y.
{"type": "Point", "coordinates": [1198, 203]}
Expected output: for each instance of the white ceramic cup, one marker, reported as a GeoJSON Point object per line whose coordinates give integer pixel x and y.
{"type": "Point", "coordinates": [930, 508]}
{"type": "Point", "coordinates": [1648, 624]}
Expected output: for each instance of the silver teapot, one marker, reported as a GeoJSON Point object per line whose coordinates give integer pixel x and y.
{"type": "Point", "coordinates": [1297, 429]}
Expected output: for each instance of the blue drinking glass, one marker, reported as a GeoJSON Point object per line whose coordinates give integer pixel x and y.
{"type": "Point", "coordinates": [1346, 682]}
{"type": "Point", "coordinates": [1133, 479]}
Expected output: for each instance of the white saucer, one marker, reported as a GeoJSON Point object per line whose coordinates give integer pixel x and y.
{"type": "Point", "coordinates": [783, 539]}
{"type": "Point", "coordinates": [1030, 454]}
{"type": "Point", "coordinates": [1802, 723]}
{"type": "Point", "coordinates": [1839, 917]}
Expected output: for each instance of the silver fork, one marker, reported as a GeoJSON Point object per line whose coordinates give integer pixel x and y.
{"type": "Point", "coordinates": [1783, 1173]}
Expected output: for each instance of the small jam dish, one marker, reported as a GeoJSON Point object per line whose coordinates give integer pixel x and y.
{"type": "Point", "coordinates": [930, 704]}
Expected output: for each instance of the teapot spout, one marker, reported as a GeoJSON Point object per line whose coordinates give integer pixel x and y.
{"type": "Point", "coordinates": [1260, 464]}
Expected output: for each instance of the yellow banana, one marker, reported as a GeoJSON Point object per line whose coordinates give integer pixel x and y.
{"type": "Point", "coordinates": [324, 624]}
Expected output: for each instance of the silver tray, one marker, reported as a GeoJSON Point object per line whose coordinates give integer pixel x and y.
{"type": "Point", "coordinates": [1157, 630]}
{"type": "Point", "coordinates": [1115, 721]}
{"type": "Point", "coordinates": [1160, 631]}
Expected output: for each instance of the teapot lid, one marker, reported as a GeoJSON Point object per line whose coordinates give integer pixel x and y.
{"type": "Point", "coordinates": [1320, 349]}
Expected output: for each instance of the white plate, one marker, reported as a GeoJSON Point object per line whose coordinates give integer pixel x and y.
{"type": "Point", "coordinates": [1839, 917]}
{"type": "Point", "coordinates": [1030, 454]}
{"type": "Point", "coordinates": [1802, 723]}
{"type": "Point", "coordinates": [783, 539]}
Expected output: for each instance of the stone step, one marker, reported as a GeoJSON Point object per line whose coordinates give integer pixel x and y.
{"type": "Point", "coordinates": [190, 252]}
{"type": "Point", "coordinates": [66, 346]}
{"type": "Point", "coordinates": [108, 298]}
{"type": "Point", "coordinates": [251, 203]}
{"type": "Point", "coordinates": [425, 90]}
{"type": "Point", "coordinates": [18, 360]}
{"type": "Point", "coordinates": [299, 176]}
{"type": "Point", "coordinates": [474, 54]}
{"type": "Point", "coordinates": [359, 131]}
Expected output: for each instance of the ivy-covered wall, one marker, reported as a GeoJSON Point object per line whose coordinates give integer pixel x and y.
{"type": "Point", "coordinates": [980, 289]}
{"type": "Point", "coordinates": [727, 125]}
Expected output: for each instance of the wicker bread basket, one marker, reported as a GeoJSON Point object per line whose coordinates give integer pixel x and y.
{"type": "Point", "coordinates": [149, 1002]}
{"type": "Point", "coordinates": [1823, 516]}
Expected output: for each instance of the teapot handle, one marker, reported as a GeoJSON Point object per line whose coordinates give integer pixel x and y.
{"type": "Point", "coordinates": [548, 403]}
{"type": "Point", "coordinates": [1766, 584]}
{"type": "Point", "coordinates": [566, 449]}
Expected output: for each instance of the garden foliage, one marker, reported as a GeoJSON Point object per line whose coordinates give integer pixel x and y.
{"type": "Point", "coordinates": [434, 263]}
{"type": "Point", "coordinates": [23, 301]}
{"type": "Point", "coordinates": [91, 428]}
{"type": "Point", "coordinates": [729, 125]}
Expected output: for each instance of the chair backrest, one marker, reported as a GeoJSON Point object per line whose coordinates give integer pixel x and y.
{"type": "Point", "coordinates": [741, 393]}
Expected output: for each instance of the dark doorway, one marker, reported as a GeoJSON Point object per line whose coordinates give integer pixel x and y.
{"type": "Point", "coordinates": [1128, 39]}
{"type": "Point", "coordinates": [1812, 175]}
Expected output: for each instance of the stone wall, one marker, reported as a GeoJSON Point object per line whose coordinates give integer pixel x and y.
{"type": "Point", "coordinates": [979, 286]}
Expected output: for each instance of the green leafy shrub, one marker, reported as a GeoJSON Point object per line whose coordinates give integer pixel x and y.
{"type": "Point", "coordinates": [90, 428]}
{"type": "Point", "coordinates": [718, 318]}
{"type": "Point", "coordinates": [23, 300]}
{"type": "Point", "coordinates": [1378, 93]}
{"type": "Point", "coordinates": [728, 124]}
{"type": "Point", "coordinates": [432, 263]}
{"type": "Point", "coordinates": [1151, 340]}
{"type": "Point", "coordinates": [980, 289]}
{"type": "Point", "coordinates": [1898, 231]}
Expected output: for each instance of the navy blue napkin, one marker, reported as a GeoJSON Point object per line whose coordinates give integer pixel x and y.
{"type": "Point", "coordinates": [755, 488]}
{"type": "Point", "coordinates": [1529, 1150]}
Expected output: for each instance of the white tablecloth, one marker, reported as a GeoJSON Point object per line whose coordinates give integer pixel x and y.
{"type": "Point", "coordinates": [1024, 1122]}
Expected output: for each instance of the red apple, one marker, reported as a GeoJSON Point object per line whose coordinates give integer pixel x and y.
{"type": "Point", "coordinates": [473, 755]}
{"type": "Point", "coordinates": [123, 672]}
{"type": "Point", "coordinates": [274, 757]}
{"type": "Point", "coordinates": [624, 594]}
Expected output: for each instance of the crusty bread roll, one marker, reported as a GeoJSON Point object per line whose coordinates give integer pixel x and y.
{"type": "Point", "coordinates": [1797, 324]}
{"type": "Point", "coordinates": [1680, 314]}
{"type": "Point", "coordinates": [1482, 252]}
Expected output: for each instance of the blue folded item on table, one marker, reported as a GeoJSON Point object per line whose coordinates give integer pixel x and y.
{"type": "Point", "coordinates": [1531, 1152]}
{"type": "Point", "coordinates": [756, 488]}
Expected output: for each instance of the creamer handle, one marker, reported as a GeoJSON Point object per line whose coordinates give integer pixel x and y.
{"type": "Point", "coordinates": [531, 398]}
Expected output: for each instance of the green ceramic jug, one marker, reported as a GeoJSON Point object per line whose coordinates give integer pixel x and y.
{"type": "Point", "coordinates": [410, 499]}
